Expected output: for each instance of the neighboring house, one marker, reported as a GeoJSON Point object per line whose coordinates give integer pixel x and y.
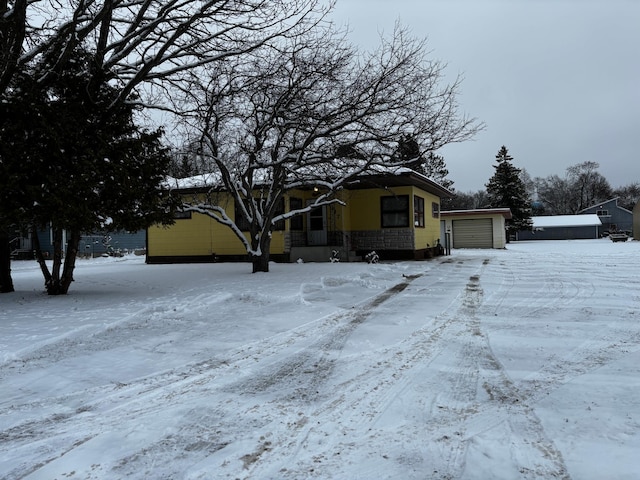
{"type": "Point", "coordinates": [480, 228]}
{"type": "Point", "coordinates": [613, 217]}
{"type": "Point", "coordinates": [92, 245]}
{"type": "Point", "coordinates": [20, 247]}
{"type": "Point", "coordinates": [563, 227]}
{"type": "Point", "coordinates": [397, 215]}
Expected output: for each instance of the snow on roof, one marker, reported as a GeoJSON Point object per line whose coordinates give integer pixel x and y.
{"type": "Point", "coordinates": [505, 212]}
{"type": "Point", "coordinates": [550, 221]}
{"type": "Point", "coordinates": [213, 180]}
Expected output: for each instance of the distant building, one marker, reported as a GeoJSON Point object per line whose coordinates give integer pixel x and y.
{"type": "Point", "coordinates": [613, 217]}
{"type": "Point", "coordinates": [563, 227]}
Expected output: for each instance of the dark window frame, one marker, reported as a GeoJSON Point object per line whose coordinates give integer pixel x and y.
{"type": "Point", "coordinates": [435, 209]}
{"type": "Point", "coordinates": [418, 212]}
{"type": "Point", "coordinates": [394, 211]}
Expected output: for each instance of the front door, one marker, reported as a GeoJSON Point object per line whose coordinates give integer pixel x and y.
{"type": "Point", "coordinates": [317, 226]}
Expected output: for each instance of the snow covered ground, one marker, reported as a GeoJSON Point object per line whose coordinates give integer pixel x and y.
{"type": "Point", "coordinates": [518, 363]}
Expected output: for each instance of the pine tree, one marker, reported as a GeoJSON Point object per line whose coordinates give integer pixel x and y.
{"type": "Point", "coordinates": [435, 168]}
{"type": "Point", "coordinates": [82, 162]}
{"type": "Point", "coordinates": [432, 166]}
{"type": "Point", "coordinates": [506, 189]}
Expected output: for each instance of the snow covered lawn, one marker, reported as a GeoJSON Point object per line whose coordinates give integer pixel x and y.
{"type": "Point", "coordinates": [518, 363]}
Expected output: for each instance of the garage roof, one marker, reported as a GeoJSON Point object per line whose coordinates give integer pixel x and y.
{"type": "Point", "coordinates": [505, 212]}
{"type": "Point", "coordinates": [551, 221]}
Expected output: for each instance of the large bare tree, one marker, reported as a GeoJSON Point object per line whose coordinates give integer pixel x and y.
{"type": "Point", "coordinates": [581, 187]}
{"type": "Point", "coordinates": [312, 111]}
{"type": "Point", "coordinates": [146, 47]}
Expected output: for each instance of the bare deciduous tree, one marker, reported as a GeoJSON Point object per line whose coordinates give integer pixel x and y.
{"type": "Point", "coordinates": [581, 187]}
{"type": "Point", "coordinates": [628, 195]}
{"type": "Point", "coordinates": [588, 185]}
{"type": "Point", "coordinates": [146, 47]}
{"type": "Point", "coordinates": [312, 111]}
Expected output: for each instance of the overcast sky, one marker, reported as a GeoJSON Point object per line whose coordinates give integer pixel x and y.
{"type": "Point", "coordinates": [555, 81]}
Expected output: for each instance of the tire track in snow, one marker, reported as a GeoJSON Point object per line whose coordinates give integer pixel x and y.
{"type": "Point", "coordinates": [418, 364]}
{"type": "Point", "coordinates": [302, 374]}
{"type": "Point", "coordinates": [366, 398]}
{"type": "Point", "coordinates": [601, 348]}
{"type": "Point", "coordinates": [140, 398]}
{"type": "Point", "coordinates": [474, 360]}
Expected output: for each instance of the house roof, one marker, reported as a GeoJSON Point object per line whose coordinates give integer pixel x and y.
{"type": "Point", "coordinates": [381, 178]}
{"type": "Point", "coordinates": [607, 203]}
{"type": "Point", "coordinates": [550, 221]}
{"type": "Point", "coordinates": [398, 177]}
{"type": "Point", "coordinates": [505, 212]}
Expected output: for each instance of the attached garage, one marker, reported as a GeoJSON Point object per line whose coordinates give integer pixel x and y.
{"type": "Point", "coordinates": [481, 228]}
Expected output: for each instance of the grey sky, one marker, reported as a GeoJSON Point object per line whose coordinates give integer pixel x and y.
{"type": "Point", "coordinates": [556, 81]}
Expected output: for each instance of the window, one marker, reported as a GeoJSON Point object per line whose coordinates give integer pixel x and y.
{"type": "Point", "coordinates": [603, 213]}
{"type": "Point", "coordinates": [394, 211]}
{"type": "Point", "coordinates": [418, 211]}
{"type": "Point", "coordinates": [297, 221]}
{"type": "Point", "coordinates": [435, 210]}
{"type": "Point", "coordinates": [181, 215]}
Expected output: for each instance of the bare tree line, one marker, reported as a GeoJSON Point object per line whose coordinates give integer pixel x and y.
{"type": "Point", "coordinates": [581, 186]}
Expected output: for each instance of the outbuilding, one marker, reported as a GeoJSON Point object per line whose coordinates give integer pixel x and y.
{"type": "Point", "coordinates": [478, 228]}
{"type": "Point", "coordinates": [563, 227]}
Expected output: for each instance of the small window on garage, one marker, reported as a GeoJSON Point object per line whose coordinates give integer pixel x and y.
{"type": "Point", "coordinates": [394, 211]}
{"type": "Point", "coordinates": [418, 211]}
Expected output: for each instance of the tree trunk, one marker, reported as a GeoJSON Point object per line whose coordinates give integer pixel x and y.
{"type": "Point", "coordinates": [40, 256]}
{"type": "Point", "coordinates": [61, 279]}
{"type": "Point", "coordinates": [261, 262]}
{"type": "Point", "coordinates": [6, 282]}
{"type": "Point", "coordinates": [69, 261]}
{"type": "Point", "coordinates": [55, 282]}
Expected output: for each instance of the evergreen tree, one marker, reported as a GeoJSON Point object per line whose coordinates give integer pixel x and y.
{"type": "Point", "coordinates": [506, 189]}
{"type": "Point", "coordinates": [75, 160]}
{"type": "Point", "coordinates": [432, 166]}
{"type": "Point", "coordinates": [409, 153]}
{"type": "Point", "coordinates": [435, 169]}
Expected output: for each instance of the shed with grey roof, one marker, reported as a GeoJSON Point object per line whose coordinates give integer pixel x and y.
{"type": "Point", "coordinates": [563, 227]}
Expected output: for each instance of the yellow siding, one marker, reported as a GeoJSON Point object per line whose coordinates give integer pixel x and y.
{"type": "Point", "coordinates": [364, 206]}
{"type": "Point", "coordinates": [429, 235]}
{"type": "Point", "coordinates": [202, 235]}
{"type": "Point", "coordinates": [186, 237]}
{"type": "Point", "coordinates": [364, 213]}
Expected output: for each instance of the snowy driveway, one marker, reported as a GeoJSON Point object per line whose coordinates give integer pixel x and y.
{"type": "Point", "coordinates": [521, 363]}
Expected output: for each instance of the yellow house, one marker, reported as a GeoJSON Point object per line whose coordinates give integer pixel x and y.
{"type": "Point", "coordinates": [395, 215]}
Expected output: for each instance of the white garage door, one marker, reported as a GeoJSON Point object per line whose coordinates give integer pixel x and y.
{"type": "Point", "coordinates": [476, 233]}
